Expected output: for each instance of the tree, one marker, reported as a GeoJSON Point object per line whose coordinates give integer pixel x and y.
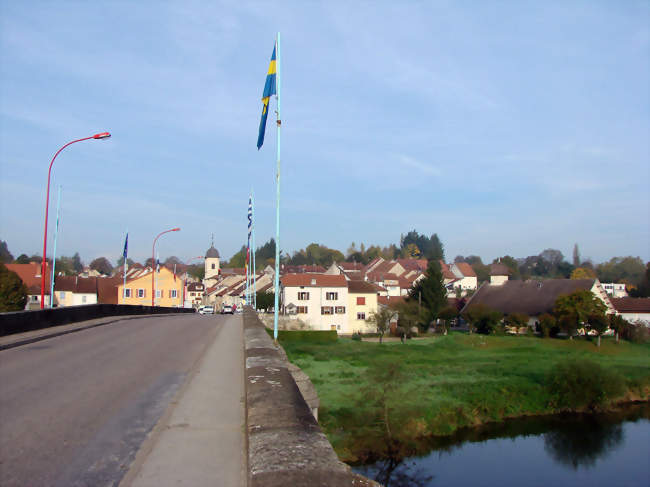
{"type": "Point", "coordinates": [381, 320]}
{"type": "Point", "coordinates": [583, 273]}
{"type": "Point", "coordinates": [643, 289]}
{"type": "Point", "coordinates": [170, 261]}
{"type": "Point", "coordinates": [599, 323]}
{"type": "Point", "coordinates": [13, 292]}
{"type": "Point", "coordinates": [483, 318]}
{"type": "Point", "coordinates": [237, 260]}
{"type": "Point", "coordinates": [102, 265]}
{"type": "Point", "coordinates": [410, 315]}
{"type": "Point", "coordinates": [547, 325]}
{"type": "Point", "coordinates": [618, 324]}
{"type": "Point", "coordinates": [77, 265]}
{"type": "Point", "coordinates": [576, 256]}
{"type": "Point", "coordinates": [574, 309]}
{"type": "Point", "coordinates": [196, 270]}
{"type": "Point", "coordinates": [511, 263]}
{"type": "Point", "coordinates": [411, 251]}
{"type": "Point", "coordinates": [552, 256]}
{"type": "Point", "coordinates": [430, 248]}
{"type": "Point", "coordinates": [447, 314]}
{"type": "Point", "coordinates": [619, 269]}
{"type": "Point", "coordinates": [265, 300]}
{"type": "Point", "coordinates": [23, 259]}
{"type": "Point", "coordinates": [129, 261]}
{"type": "Point", "coordinates": [5, 255]}
{"type": "Point", "coordinates": [431, 292]}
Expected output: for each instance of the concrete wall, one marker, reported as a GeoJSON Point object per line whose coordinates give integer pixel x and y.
{"type": "Point", "coordinates": [286, 447]}
{"type": "Point", "coordinates": [22, 321]}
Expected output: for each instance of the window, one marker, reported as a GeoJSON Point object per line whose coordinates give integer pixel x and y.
{"type": "Point", "coordinates": [159, 293]}
{"type": "Point", "coordinates": [141, 293]}
{"type": "Point", "coordinates": [340, 310]}
{"type": "Point", "coordinates": [173, 293]}
{"type": "Point", "coordinates": [303, 296]}
{"type": "Point", "coordinates": [327, 310]}
{"type": "Point", "coordinates": [213, 266]}
{"type": "Point", "coordinates": [127, 293]}
{"type": "Point", "coordinates": [62, 295]}
{"type": "Point", "coordinates": [331, 296]}
{"type": "Point", "coordinates": [83, 298]}
{"type": "Point", "coordinates": [34, 298]}
{"type": "Point", "coordinates": [332, 327]}
{"type": "Point", "coordinates": [361, 316]}
{"type": "Point", "coordinates": [302, 310]}
{"type": "Point", "coordinates": [361, 300]}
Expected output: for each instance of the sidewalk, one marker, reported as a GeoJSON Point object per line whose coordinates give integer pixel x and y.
{"type": "Point", "coordinates": [200, 439]}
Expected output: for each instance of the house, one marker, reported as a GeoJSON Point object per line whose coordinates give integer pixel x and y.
{"type": "Point", "coordinates": [168, 289]}
{"type": "Point", "coordinates": [194, 293]}
{"type": "Point", "coordinates": [499, 274]}
{"type": "Point", "coordinates": [75, 290]}
{"type": "Point", "coordinates": [615, 290]}
{"type": "Point", "coordinates": [319, 300]}
{"type": "Point", "coordinates": [30, 274]}
{"type": "Point", "coordinates": [362, 300]}
{"type": "Point", "coordinates": [634, 310]}
{"type": "Point", "coordinates": [533, 298]}
{"type": "Point", "coordinates": [466, 279]}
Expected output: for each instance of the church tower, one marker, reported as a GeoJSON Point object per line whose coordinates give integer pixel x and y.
{"type": "Point", "coordinates": [211, 262]}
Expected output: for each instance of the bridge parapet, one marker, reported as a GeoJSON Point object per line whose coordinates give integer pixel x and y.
{"type": "Point", "coordinates": [285, 444]}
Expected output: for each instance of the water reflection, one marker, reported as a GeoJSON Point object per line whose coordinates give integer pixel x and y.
{"type": "Point", "coordinates": [582, 443]}
{"type": "Point", "coordinates": [568, 442]}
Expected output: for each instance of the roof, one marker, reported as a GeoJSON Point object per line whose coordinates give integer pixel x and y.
{"type": "Point", "coordinates": [413, 264]}
{"type": "Point", "coordinates": [314, 280]}
{"type": "Point", "coordinates": [351, 266]}
{"type": "Point", "coordinates": [355, 286]}
{"type": "Point", "coordinates": [30, 274]}
{"type": "Point", "coordinates": [631, 305]}
{"type": "Point", "coordinates": [530, 297]}
{"type": "Point", "coordinates": [499, 270]}
{"type": "Point", "coordinates": [195, 287]}
{"type": "Point", "coordinates": [75, 284]}
{"type": "Point", "coordinates": [303, 268]}
{"type": "Point", "coordinates": [212, 253]}
{"type": "Point", "coordinates": [466, 269]}
{"type": "Point", "coordinates": [446, 271]}
{"type": "Point", "coordinates": [390, 300]}
{"type": "Point", "coordinates": [375, 276]}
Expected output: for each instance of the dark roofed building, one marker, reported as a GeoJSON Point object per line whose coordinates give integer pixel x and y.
{"type": "Point", "coordinates": [533, 297]}
{"type": "Point", "coordinates": [633, 309]}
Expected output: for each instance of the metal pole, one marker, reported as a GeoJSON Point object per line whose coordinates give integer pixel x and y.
{"type": "Point", "coordinates": [56, 235]}
{"type": "Point", "coordinates": [125, 268]}
{"type": "Point", "coordinates": [277, 208]}
{"type": "Point", "coordinates": [254, 267]}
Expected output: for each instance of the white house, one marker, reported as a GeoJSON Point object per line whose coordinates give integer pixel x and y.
{"type": "Point", "coordinates": [319, 300]}
{"type": "Point", "coordinates": [614, 289]}
{"type": "Point", "coordinates": [634, 310]}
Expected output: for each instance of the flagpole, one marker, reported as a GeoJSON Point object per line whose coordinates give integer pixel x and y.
{"type": "Point", "coordinates": [254, 268]}
{"type": "Point", "coordinates": [56, 234]}
{"type": "Point", "coordinates": [126, 253]}
{"type": "Point", "coordinates": [277, 207]}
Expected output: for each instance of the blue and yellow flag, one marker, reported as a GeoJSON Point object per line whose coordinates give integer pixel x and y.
{"type": "Point", "coordinates": [269, 89]}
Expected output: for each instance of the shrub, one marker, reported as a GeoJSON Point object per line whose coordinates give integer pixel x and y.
{"type": "Point", "coordinates": [483, 318]}
{"type": "Point", "coordinates": [577, 384]}
{"type": "Point", "coordinates": [546, 324]}
{"type": "Point", "coordinates": [356, 336]}
{"type": "Point", "coordinates": [313, 336]}
{"type": "Point", "coordinates": [637, 333]}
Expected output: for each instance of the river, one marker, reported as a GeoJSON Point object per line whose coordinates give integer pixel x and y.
{"type": "Point", "coordinates": [573, 450]}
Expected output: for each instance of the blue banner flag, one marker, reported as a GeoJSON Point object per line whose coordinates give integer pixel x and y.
{"type": "Point", "coordinates": [126, 247]}
{"type": "Point", "coordinates": [269, 89]}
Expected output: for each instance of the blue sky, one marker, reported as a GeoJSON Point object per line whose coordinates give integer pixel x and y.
{"type": "Point", "coordinates": [504, 127]}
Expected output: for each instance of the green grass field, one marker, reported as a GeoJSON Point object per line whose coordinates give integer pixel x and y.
{"type": "Point", "coordinates": [450, 382]}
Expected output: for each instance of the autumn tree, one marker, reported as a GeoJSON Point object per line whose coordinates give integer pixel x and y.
{"type": "Point", "coordinates": [574, 309]}
{"type": "Point", "coordinates": [381, 320]}
{"type": "Point", "coordinates": [446, 315]}
{"type": "Point", "coordinates": [583, 273]}
{"type": "Point", "coordinates": [599, 323]}
{"type": "Point", "coordinates": [13, 292]}
{"type": "Point", "coordinates": [517, 321]}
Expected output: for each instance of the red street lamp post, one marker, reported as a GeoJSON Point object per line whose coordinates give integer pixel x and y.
{"type": "Point", "coordinates": [153, 260]}
{"type": "Point", "coordinates": [102, 135]}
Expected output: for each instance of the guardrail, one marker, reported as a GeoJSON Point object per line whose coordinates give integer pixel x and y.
{"type": "Point", "coordinates": [285, 444]}
{"type": "Point", "coordinates": [22, 321]}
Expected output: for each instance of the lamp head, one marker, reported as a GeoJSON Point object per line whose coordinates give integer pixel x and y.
{"type": "Point", "coordinates": [176, 229]}
{"type": "Point", "coordinates": [103, 135]}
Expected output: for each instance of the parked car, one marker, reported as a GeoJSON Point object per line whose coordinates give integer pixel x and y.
{"type": "Point", "coordinates": [226, 309]}
{"type": "Point", "coordinates": [206, 310]}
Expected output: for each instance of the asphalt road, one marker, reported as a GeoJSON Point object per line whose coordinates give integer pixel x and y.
{"type": "Point", "coordinates": [75, 409]}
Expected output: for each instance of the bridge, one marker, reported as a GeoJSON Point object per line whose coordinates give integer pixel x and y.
{"type": "Point", "coordinates": [131, 398]}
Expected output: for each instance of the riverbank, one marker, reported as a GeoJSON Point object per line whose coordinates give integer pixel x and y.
{"type": "Point", "coordinates": [397, 395]}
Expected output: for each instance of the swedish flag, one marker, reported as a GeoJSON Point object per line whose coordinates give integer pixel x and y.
{"type": "Point", "coordinates": [269, 89]}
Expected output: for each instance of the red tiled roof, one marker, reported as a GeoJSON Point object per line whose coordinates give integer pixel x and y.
{"type": "Point", "coordinates": [351, 266]}
{"type": "Point", "coordinates": [30, 274]}
{"type": "Point", "coordinates": [413, 264]}
{"type": "Point", "coordinates": [318, 280]}
{"type": "Point", "coordinates": [391, 301]}
{"type": "Point", "coordinates": [499, 270]}
{"type": "Point", "coordinates": [466, 269]}
{"type": "Point", "coordinates": [75, 284]}
{"type": "Point", "coordinates": [355, 286]}
{"type": "Point", "coordinates": [631, 305]}
{"type": "Point", "coordinates": [446, 271]}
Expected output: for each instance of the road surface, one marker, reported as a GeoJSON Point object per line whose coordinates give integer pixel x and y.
{"type": "Point", "coordinates": [75, 409]}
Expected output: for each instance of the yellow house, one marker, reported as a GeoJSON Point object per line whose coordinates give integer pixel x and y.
{"type": "Point", "coordinates": [362, 300]}
{"type": "Point", "coordinates": [168, 290]}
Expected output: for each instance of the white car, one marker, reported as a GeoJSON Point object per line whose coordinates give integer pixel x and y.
{"type": "Point", "coordinates": [206, 310]}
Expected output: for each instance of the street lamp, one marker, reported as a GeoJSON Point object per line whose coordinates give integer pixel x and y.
{"type": "Point", "coordinates": [102, 135]}
{"type": "Point", "coordinates": [153, 260]}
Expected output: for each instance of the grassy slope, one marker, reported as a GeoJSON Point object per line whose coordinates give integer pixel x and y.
{"type": "Point", "coordinates": [458, 380]}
